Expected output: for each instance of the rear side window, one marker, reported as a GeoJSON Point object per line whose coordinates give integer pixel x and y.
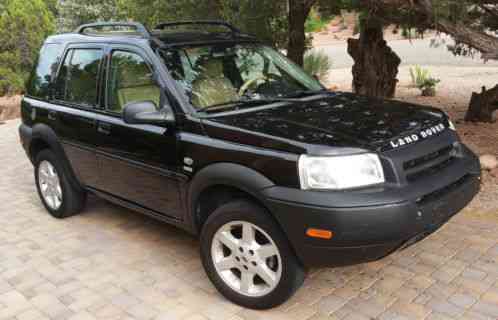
{"type": "Point", "coordinates": [41, 77]}
{"type": "Point", "coordinates": [77, 81]}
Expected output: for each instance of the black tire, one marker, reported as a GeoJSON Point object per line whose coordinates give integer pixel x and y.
{"type": "Point", "coordinates": [292, 274]}
{"type": "Point", "coordinates": [73, 200]}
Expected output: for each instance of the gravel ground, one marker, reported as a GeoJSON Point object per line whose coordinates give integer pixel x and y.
{"type": "Point", "coordinates": [454, 92]}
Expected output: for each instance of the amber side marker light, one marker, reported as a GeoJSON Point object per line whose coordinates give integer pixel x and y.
{"type": "Point", "coordinates": [319, 233]}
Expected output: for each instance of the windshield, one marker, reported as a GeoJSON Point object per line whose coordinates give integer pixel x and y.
{"type": "Point", "coordinates": [222, 75]}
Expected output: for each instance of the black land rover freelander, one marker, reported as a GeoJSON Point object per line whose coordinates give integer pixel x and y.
{"type": "Point", "coordinates": [203, 127]}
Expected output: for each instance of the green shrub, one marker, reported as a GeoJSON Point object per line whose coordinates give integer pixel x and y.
{"type": "Point", "coordinates": [317, 63]}
{"type": "Point", "coordinates": [23, 27]}
{"type": "Point", "coordinates": [316, 22]}
{"type": "Point", "coordinates": [422, 79]}
{"type": "Point", "coordinates": [11, 82]}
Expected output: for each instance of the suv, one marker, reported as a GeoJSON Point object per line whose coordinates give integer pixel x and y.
{"type": "Point", "coordinates": [203, 127]}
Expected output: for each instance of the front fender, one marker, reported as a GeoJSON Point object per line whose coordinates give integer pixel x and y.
{"type": "Point", "coordinates": [226, 174]}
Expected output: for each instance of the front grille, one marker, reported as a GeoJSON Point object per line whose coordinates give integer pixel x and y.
{"type": "Point", "coordinates": [428, 164]}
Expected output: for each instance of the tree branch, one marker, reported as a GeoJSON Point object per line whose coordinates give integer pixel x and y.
{"type": "Point", "coordinates": [491, 11]}
{"type": "Point", "coordinates": [308, 4]}
{"type": "Point", "coordinates": [462, 33]}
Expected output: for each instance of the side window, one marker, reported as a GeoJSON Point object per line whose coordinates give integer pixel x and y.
{"type": "Point", "coordinates": [77, 81]}
{"type": "Point", "coordinates": [42, 76]}
{"type": "Point", "coordinates": [130, 79]}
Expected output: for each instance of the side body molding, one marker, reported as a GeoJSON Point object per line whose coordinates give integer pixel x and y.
{"type": "Point", "coordinates": [227, 174]}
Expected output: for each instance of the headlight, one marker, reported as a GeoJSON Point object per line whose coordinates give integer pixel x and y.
{"type": "Point", "coordinates": [452, 126]}
{"type": "Point", "coordinates": [340, 172]}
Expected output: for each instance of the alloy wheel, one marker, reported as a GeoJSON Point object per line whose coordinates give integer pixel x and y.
{"type": "Point", "coordinates": [246, 258]}
{"type": "Point", "coordinates": [50, 186]}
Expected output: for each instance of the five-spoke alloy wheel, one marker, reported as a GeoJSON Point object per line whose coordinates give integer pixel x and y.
{"type": "Point", "coordinates": [247, 257]}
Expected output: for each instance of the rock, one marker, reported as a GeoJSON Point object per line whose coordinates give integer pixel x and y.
{"type": "Point", "coordinates": [488, 162]}
{"type": "Point", "coordinates": [494, 172]}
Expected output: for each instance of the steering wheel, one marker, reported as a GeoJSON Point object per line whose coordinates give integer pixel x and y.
{"type": "Point", "coordinates": [249, 83]}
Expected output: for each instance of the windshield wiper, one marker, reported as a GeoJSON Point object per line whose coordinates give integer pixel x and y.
{"type": "Point", "coordinates": [305, 93]}
{"type": "Point", "coordinates": [246, 103]}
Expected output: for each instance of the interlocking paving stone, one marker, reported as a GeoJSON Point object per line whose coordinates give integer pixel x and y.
{"type": "Point", "coordinates": [111, 263]}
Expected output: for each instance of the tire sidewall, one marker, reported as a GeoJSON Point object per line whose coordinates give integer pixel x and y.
{"type": "Point", "coordinates": [49, 156]}
{"type": "Point", "coordinates": [292, 273]}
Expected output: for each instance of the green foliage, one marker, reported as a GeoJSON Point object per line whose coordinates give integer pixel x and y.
{"type": "Point", "coordinates": [262, 18]}
{"type": "Point", "coordinates": [72, 13]}
{"type": "Point", "coordinates": [152, 12]}
{"type": "Point", "coordinates": [11, 82]}
{"type": "Point", "coordinates": [422, 79]}
{"type": "Point", "coordinates": [408, 33]}
{"type": "Point", "coordinates": [316, 22]}
{"type": "Point", "coordinates": [24, 25]}
{"type": "Point", "coordinates": [317, 63]}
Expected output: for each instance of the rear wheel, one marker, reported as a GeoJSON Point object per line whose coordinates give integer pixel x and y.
{"type": "Point", "coordinates": [58, 196]}
{"type": "Point", "coordinates": [248, 258]}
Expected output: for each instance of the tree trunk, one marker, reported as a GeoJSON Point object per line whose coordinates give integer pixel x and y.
{"type": "Point", "coordinates": [376, 65]}
{"type": "Point", "coordinates": [482, 105]}
{"type": "Point", "coordinates": [298, 13]}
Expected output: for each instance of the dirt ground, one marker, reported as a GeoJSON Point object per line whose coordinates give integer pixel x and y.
{"type": "Point", "coordinates": [453, 96]}
{"type": "Point", "coordinates": [9, 108]}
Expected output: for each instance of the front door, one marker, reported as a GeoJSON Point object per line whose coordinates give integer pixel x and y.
{"type": "Point", "coordinates": [138, 161]}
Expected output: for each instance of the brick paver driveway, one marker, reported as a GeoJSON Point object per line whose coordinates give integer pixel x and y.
{"type": "Point", "coordinates": [110, 263]}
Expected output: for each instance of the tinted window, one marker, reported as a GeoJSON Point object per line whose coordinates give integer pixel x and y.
{"type": "Point", "coordinates": [41, 77]}
{"type": "Point", "coordinates": [130, 80]}
{"type": "Point", "coordinates": [77, 80]}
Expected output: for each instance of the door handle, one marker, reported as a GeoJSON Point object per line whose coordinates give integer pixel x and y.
{"type": "Point", "coordinates": [104, 128]}
{"type": "Point", "coordinates": [52, 115]}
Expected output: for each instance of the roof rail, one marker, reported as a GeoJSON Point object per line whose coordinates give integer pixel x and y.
{"type": "Point", "coordinates": [140, 28]}
{"type": "Point", "coordinates": [227, 25]}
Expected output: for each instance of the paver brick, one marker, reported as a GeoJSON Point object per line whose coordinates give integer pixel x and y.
{"type": "Point", "coordinates": [486, 308]}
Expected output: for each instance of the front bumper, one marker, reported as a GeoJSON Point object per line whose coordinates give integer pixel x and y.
{"type": "Point", "coordinates": [369, 225]}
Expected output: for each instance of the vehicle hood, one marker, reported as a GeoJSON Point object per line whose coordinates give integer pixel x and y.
{"type": "Point", "coordinates": [334, 120]}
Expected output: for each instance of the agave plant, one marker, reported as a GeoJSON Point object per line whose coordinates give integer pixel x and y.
{"type": "Point", "coordinates": [317, 64]}
{"type": "Point", "coordinates": [422, 79]}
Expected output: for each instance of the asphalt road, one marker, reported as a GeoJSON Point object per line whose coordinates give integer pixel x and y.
{"type": "Point", "coordinates": [416, 52]}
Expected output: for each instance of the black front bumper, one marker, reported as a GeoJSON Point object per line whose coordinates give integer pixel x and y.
{"type": "Point", "coordinates": [370, 224]}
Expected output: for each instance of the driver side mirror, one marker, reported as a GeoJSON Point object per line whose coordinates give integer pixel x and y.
{"type": "Point", "coordinates": [145, 112]}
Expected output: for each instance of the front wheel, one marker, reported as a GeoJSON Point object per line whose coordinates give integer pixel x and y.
{"type": "Point", "coordinates": [248, 258]}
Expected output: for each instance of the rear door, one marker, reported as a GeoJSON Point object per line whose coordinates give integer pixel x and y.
{"type": "Point", "coordinates": [138, 161]}
{"type": "Point", "coordinates": [76, 97]}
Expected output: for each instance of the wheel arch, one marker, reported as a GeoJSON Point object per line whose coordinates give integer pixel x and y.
{"type": "Point", "coordinates": [44, 137]}
{"type": "Point", "coordinates": [219, 183]}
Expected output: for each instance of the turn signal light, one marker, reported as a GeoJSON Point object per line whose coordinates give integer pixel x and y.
{"type": "Point", "coordinates": [319, 233]}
